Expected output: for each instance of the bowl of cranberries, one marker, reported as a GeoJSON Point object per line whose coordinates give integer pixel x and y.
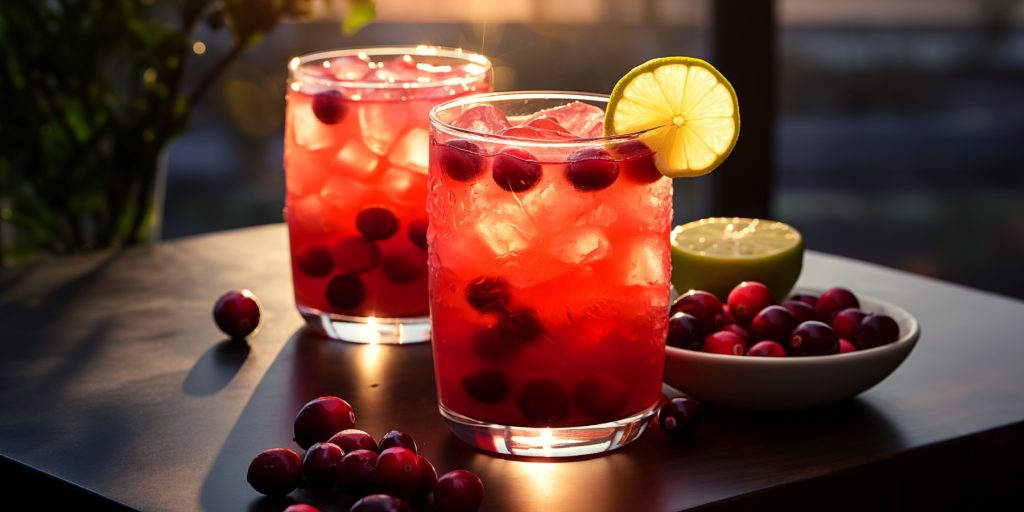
{"type": "Point", "coordinates": [814, 348]}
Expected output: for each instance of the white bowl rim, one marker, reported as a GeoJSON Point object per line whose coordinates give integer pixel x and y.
{"type": "Point", "coordinates": [910, 337]}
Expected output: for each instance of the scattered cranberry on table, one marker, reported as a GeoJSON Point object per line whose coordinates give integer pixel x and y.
{"type": "Point", "coordinates": [301, 507]}
{"type": "Point", "coordinates": [275, 472]}
{"type": "Point", "coordinates": [458, 491]}
{"type": "Point", "coordinates": [680, 416]}
{"type": "Point", "coordinates": [380, 503]}
{"type": "Point", "coordinates": [321, 418]}
{"type": "Point", "coordinates": [237, 313]}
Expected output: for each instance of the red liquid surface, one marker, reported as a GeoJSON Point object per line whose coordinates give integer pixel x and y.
{"type": "Point", "coordinates": [371, 153]}
{"type": "Point", "coordinates": [591, 266]}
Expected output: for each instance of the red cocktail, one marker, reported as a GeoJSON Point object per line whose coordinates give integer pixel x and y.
{"type": "Point", "coordinates": [356, 158]}
{"type": "Point", "coordinates": [549, 274]}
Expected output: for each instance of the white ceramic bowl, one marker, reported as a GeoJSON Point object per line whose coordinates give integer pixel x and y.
{"type": "Point", "coordinates": [790, 383]}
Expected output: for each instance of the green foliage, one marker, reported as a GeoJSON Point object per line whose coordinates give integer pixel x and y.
{"type": "Point", "coordinates": [90, 94]}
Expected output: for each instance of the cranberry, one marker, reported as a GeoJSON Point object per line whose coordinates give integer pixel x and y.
{"type": "Point", "coordinates": [549, 124]}
{"type": "Point", "coordinates": [320, 418]}
{"type": "Point", "coordinates": [237, 313]}
{"type": "Point", "coordinates": [275, 472]}
{"type": "Point", "coordinates": [520, 326]}
{"type": "Point", "coordinates": [846, 346]}
{"type": "Point", "coordinates": [315, 261]}
{"type": "Point", "coordinates": [846, 323]}
{"type": "Point", "coordinates": [490, 346]}
{"type": "Point", "coordinates": [637, 163]}
{"type": "Point", "coordinates": [403, 268]}
{"type": "Point", "coordinates": [767, 348]}
{"type": "Point", "coordinates": [319, 463]}
{"type": "Point", "coordinates": [377, 223]}
{"type": "Point", "coordinates": [459, 491]}
{"type": "Point", "coordinates": [380, 503]}
{"type": "Point", "coordinates": [428, 478]}
{"type": "Point", "coordinates": [877, 330]}
{"type": "Point", "coordinates": [345, 291]}
{"type": "Point", "coordinates": [747, 299]}
{"type": "Point", "coordinates": [703, 305]}
{"type": "Point", "coordinates": [418, 232]}
{"type": "Point", "coordinates": [772, 323]}
{"type": "Point", "coordinates": [727, 317]}
{"type": "Point", "coordinates": [355, 474]}
{"type": "Point", "coordinates": [684, 332]}
{"type": "Point", "coordinates": [738, 329]}
{"type": "Point", "coordinates": [813, 338]}
{"type": "Point", "coordinates": [725, 342]}
{"type": "Point", "coordinates": [301, 507]}
{"type": "Point", "coordinates": [356, 255]}
{"type": "Point", "coordinates": [486, 385]}
{"type": "Point", "coordinates": [352, 439]}
{"type": "Point", "coordinates": [543, 400]}
{"type": "Point", "coordinates": [800, 310]}
{"type": "Point", "coordinates": [809, 298]}
{"type": "Point", "coordinates": [515, 170]}
{"type": "Point", "coordinates": [680, 416]}
{"type": "Point", "coordinates": [601, 397]}
{"type": "Point", "coordinates": [833, 301]}
{"type": "Point", "coordinates": [398, 471]}
{"type": "Point", "coordinates": [329, 107]}
{"type": "Point", "coordinates": [488, 293]}
{"type": "Point", "coordinates": [591, 169]}
{"type": "Point", "coordinates": [397, 438]}
{"type": "Point", "coordinates": [460, 159]}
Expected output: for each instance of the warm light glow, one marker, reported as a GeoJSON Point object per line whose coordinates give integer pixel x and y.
{"type": "Point", "coordinates": [294, 63]}
{"type": "Point", "coordinates": [198, 48]}
{"type": "Point", "coordinates": [546, 440]}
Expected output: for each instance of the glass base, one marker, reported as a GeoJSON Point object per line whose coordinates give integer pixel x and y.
{"type": "Point", "coordinates": [358, 329]}
{"type": "Point", "coordinates": [547, 441]}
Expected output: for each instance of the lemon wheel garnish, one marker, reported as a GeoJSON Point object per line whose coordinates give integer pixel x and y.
{"type": "Point", "coordinates": [686, 109]}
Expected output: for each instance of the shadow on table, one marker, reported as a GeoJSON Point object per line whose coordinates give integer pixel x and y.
{"type": "Point", "coordinates": [216, 367]}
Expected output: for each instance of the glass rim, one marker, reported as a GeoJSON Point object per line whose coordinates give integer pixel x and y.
{"type": "Point", "coordinates": [297, 63]}
{"type": "Point", "coordinates": [525, 95]}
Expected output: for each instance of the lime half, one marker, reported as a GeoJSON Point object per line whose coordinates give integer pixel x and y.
{"type": "Point", "coordinates": [686, 109]}
{"type": "Point", "coordinates": [718, 253]}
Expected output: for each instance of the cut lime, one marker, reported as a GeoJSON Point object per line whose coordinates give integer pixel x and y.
{"type": "Point", "coordinates": [686, 109]}
{"type": "Point", "coordinates": [718, 253]}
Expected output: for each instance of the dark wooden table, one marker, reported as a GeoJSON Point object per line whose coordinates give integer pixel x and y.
{"type": "Point", "coordinates": [116, 388]}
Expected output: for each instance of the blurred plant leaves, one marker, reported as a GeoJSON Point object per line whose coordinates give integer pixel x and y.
{"type": "Point", "coordinates": [360, 13]}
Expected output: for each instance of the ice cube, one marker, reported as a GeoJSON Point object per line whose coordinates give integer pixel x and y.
{"type": "Point", "coordinates": [412, 151]}
{"type": "Point", "coordinates": [356, 160]}
{"type": "Point", "coordinates": [404, 186]}
{"type": "Point", "coordinates": [309, 132]}
{"type": "Point", "coordinates": [532, 133]}
{"type": "Point", "coordinates": [306, 171]}
{"type": "Point", "coordinates": [648, 262]}
{"type": "Point", "coordinates": [602, 215]}
{"type": "Point", "coordinates": [482, 119]}
{"type": "Point", "coordinates": [348, 68]}
{"type": "Point", "coordinates": [398, 70]}
{"type": "Point", "coordinates": [312, 215]}
{"type": "Point", "coordinates": [344, 192]}
{"type": "Point", "coordinates": [381, 124]}
{"type": "Point", "coordinates": [577, 117]}
{"type": "Point", "coordinates": [580, 246]}
{"type": "Point", "coordinates": [504, 231]}
{"type": "Point", "coordinates": [557, 204]}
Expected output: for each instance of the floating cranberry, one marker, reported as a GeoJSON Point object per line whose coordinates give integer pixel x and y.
{"type": "Point", "coordinates": [398, 471]}
{"type": "Point", "coordinates": [591, 169]}
{"type": "Point", "coordinates": [515, 170]}
{"type": "Point", "coordinates": [543, 400]}
{"type": "Point", "coordinates": [833, 301]}
{"type": "Point", "coordinates": [772, 323]}
{"type": "Point", "coordinates": [846, 323]}
{"type": "Point", "coordinates": [315, 261]}
{"type": "Point", "coordinates": [329, 107]}
{"type": "Point", "coordinates": [813, 338]}
{"type": "Point", "coordinates": [356, 255]}
{"type": "Point", "coordinates": [490, 346]}
{"type": "Point", "coordinates": [428, 478]}
{"type": "Point", "coordinates": [680, 416]}
{"type": "Point", "coordinates": [459, 491]}
{"type": "Point", "coordinates": [846, 346]}
{"type": "Point", "coordinates": [877, 330]}
{"type": "Point", "coordinates": [520, 326]}
{"type": "Point", "coordinates": [352, 439]}
{"type": "Point", "coordinates": [747, 299]}
{"type": "Point", "coordinates": [321, 418]}
{"type": "Point", "coordinates": [345, 291]}
{"type": "Point", "coordinates": [237, 313]}
{"type": "Point", "coordinates": [703, 305]}
{"type": "Point", "coordinates": [767, 348]}
{"type": "Point", "coordinates": [319, 463]}
{"type": "Point", "coordinates": [355, 474]}
{"type": "Point", "coordinates": [684, 332]}
{"type": "Point", "coordinates": [403, 268]}
{"type": "Point", "coordinates": [460, 159]}
{"type": "Point", "coordinates": [738, 329]}
{"type": "Point", "coordinates": [488, 293]}
{"type": "Point", "coordinates": [601, 397]}
{"type": "Point", "coordinates": [637, 162]}
{"type": "Point", "coordinates": [275, 472]}
{"type": "Point", "coordinates": [486, 385]}
{"type": "Point", "coordinates": [377, 223]}
{"type": "Point", "coordinates": [380, 503]}
{"type": "Point", "coordinates": [725, 342]}
{"type": "Point", "coordinates": [800, 310]}
{"type": "Point", "coordinates": [397, 438]}
{"type": "Point", "coordinates": [418, 232]}
{"type": "Point", "coordinates": [301, 507]}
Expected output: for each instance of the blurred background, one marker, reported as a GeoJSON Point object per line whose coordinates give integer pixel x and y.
{"type": "Point", "coordinates": [897, 133]}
